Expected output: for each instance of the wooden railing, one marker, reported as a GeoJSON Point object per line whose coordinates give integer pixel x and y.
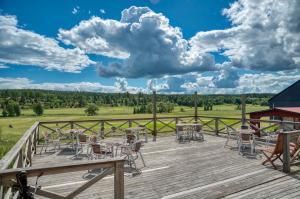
{"type": "Point", "coordinates": [116, 166]}
{"type": "Point", "coordinates": [287, 135]}
{"type": "Point", "coordinates": [20, 156]}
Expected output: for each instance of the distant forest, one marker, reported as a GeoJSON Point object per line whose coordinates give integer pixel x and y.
{"type": "Point", "coordinates": [65, 99]}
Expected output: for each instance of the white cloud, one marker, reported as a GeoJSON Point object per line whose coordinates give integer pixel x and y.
{"type": "Point", "coordinates": [25, 83]}
{"type": "Point", "coordinates": [75, 10]}
{"type": "Point", "coordinates": [144, 41]}
{"type": "Point", "coordinates": [2, 66]}
{"type": "Point", "coordinates": [102, 11]}
{"type": "Point", "coordinates": [264, 36]}
{"type": "Point", "coordinates": [22, 47]}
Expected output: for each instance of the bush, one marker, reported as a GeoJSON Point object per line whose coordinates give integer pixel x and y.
{"type": "Point", "coordinates": [38, 109]}
{"type": "Point", "coordinates": [91, 109]}
{"type": "Point", "coordinates": [4, 113]}
{"type": "Point", "coordinates": [182, 109]}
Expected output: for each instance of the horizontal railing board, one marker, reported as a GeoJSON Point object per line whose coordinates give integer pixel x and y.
{"type": "Point", "coordinates": [8, 174]}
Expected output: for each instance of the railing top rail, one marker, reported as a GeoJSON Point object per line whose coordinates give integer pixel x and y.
{"type": "Point", "coordinates": [167, 117]}
{"type": "Point", "coordinates": [8, 174]}
{"type": "Point", "coordinates": [291, 132]}
{"type": "Point", "coordinates": [112, 119]}
{"type": "Point", "coordinates": [13, 152]}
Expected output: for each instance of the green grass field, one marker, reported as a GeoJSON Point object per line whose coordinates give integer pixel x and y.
{"type": "Point", "coordinates": [9, 136]}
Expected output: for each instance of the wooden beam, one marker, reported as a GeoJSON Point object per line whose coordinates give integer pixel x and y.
{"type": "Point", "coordinates": [286, 152]}
{"type": "Point", "coordinates": [9, 174]}
{"type": "Point", "coordinates": [196, 106]}
{"type": "Point", "coordinates": [89, 183]}
{"type": "Point", "coordinates": [154, 116]}
{"type": "Point", "coordinates": [119, 180]}
{"type": "Point", "coordinates": [47, 194]}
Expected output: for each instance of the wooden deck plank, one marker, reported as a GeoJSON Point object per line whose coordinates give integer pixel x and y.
{"type": "Point", "coordinates": [192, 170]}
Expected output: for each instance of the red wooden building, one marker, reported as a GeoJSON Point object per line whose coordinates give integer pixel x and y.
{"type": "Point", "coordinates": [283, 106]}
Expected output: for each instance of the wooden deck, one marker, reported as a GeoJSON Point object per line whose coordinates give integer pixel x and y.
{"type": "Point", "coordinates": [192, 170]}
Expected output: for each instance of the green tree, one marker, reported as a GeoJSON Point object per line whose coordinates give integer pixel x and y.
{"type": "Point", "coordinates": [91, 109]}
{"type": "Point", "coordinates": [10, 109]}
{"type": "Point", "coordinates": [17, 109]}
{"type": "Point", "coordinates": [4, 113]}
{"type": "Point", "coordinates": [38, 109]}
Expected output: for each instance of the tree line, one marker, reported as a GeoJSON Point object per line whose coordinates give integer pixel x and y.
{"type": "Point", "coordinates": [12, 101]}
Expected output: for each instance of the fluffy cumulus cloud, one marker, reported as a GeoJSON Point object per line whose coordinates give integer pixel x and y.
{"type": "Point", "coordinates": [144, 42]}
{"type": "Point", "coordinates": [23, 47]}
{"type": "Point", "coordinates": [264, 35]}
{"type": "Point", "coordinates": [25, 83]}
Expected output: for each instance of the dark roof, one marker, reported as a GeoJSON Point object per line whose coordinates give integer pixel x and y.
{"type": "Point", "coordinates": [284, 90]}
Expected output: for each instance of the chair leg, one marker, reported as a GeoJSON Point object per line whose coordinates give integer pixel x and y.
{"type": "Point", "coordinates": [142, 159]}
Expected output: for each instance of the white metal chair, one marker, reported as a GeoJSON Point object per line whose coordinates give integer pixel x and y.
{"type": "Point", "coordinates": [50, 140]}
{"type": "Point", "coordinates": [143, 131]}
{"type": "Point", "coordinates": [132, 153]}
{"type": "Point", "coordinates": [246, 139]}
{"type": "Point", "coordinates": [198, 134]}
{"type": "Point", "coordinates": [183, 134]}
{"type": "Point", "coordinates": [231, 135]}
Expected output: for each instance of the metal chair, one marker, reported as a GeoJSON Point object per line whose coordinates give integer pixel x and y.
{"type": "Point", "coordinates": [231, 135]}
{"type": "Point", "coordinates": [143, 131]}
{"type": "Point", "coordinates": [50, 140]}
{"type": "Point", "coordinates": [132, 153]}
{"type": "Point", "coordinates": [129, 137]}
{"type": "Point", "coordinates": [198, 134]}
{"type": "Point", "coordinates": [246, 139]}
{"type": "Point", "coordinates": [100, 151]}
{"type": "Point", "coordinates": [183, 134]}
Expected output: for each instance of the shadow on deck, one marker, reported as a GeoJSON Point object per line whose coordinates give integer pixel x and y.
{"type": "Point", "coordinates": [192, 170]}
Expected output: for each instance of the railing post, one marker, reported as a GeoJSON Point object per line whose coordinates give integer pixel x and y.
{"type": "Point", "coordinates": [217, 126]}
{"type": "Point", "coordinates": [154, 117]}
{"type": "Point", "coordinates": [35, 139]}
{"type": "Point", "coordinates": [119, 180]}
{"type": "Point", "coordinates": [72, 125]}
{"type": "Point", "coordinates": [129, 123]}
{"type": "Point", "coordinates": [286, 152]}
{"type": "Point", "coordinates": [38, 133]}
{"type": "Point", "coordinates": [176, 122]}
{"type": "Point", "coordinates": [20, 160]}
{"type": "Point", "coordinates": [102, 130]}
{"type": "Point", "coordinates": [196, 107]}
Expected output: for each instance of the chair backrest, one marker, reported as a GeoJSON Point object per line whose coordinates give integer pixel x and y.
{"type": "Point", "coordinates": [180, 128]}
{"type": "Point", "coordinates": [130, 138]}
{"type": "Point", "coordinates": [137, 146]}
{"type": "Point", "coordinates": [198, 127]}
{"type": "Point", "coordinates": [96, 148]}
{"type": "Point", "coordinates": [82, 137]}
{"type": "Point", "coordinates": [279, 144]}
{"type": "Point", "coordinates": [246, 136]}
{"type": "Point", "coordinates": [93, 139]}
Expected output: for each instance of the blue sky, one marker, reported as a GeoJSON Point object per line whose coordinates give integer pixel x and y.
{"type": "Point", "coordinates": [172, 46]}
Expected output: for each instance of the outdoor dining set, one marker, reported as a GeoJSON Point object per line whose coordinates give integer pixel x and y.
{"type": "Point", "coordinates": [95, 147]}
{"type": "Point", "coordinates": [271, 146]}
{"type": "Point", "coordinates": [186, 132]}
